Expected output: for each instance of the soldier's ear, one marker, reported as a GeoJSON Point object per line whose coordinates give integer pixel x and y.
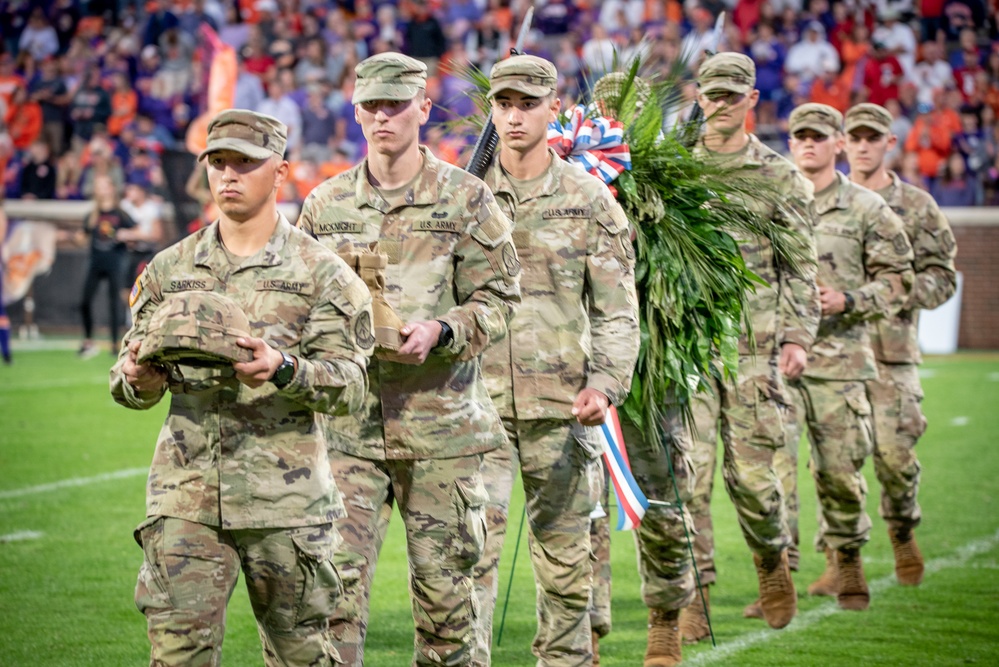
{"type": "Point", "coordinates": [840, 142]}
{"type": "Point", "coordinates": [281, 170]}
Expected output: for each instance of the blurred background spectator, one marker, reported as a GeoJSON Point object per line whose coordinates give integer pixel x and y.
{"type": "Point", "coordinates": [107, 88]}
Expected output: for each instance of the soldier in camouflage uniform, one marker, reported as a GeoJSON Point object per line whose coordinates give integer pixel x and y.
{"type": "Point", "coordinates": [896, 394]}
{"type": "Point", "coordinates": [240, 477]}
{"type": "Point", "coordinates": [570, 353]}
{"type": "Point", "coordinates": [452, 277]}
{"type": "Point", "coordinates": [785, 317]}
{"type": "Point", "coordinates": [865, 274]}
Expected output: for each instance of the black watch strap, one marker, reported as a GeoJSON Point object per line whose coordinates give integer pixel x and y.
{"type": "Point", "coordinates": [285, 372]}
{"type": "Point", "coordinates": [848, 302]}
{"type": "Point", "coordinates": [446, 336]}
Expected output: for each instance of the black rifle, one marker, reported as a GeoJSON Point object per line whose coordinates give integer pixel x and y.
{"type": "Point", "coordinates": [485, 145]}
{"type": "Point", "coordinates": [693, 124]}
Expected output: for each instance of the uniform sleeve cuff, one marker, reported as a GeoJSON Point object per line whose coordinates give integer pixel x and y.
{"type": "Point", "coordinates": [607, 386]}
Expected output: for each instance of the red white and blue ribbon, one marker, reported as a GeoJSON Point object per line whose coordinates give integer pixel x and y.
{"type": "Point", "coordinates": [595, 143]}
{"type": "Point", "coordinates": [631, 502]}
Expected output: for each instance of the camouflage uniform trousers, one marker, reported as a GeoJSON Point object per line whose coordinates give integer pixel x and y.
{"type": "Point", "coordinates": [560, 471]}
{"type": "Point", "coordinates": [751, 416]}
{"type": "Point", "coordinates": [600, 537]}
{"type": "Point", "coordinates": [661, 538]}
{"type": "Point", "coordinates": [837, 414]}
{"type": "Point", "coordinates": [190, 570]}
{"type": "Point", "coordinates": [898, 424]}
{"type": "Point", "coordinates": [786, 465]}
{"type": "Point", "coordinates": [442, 506]}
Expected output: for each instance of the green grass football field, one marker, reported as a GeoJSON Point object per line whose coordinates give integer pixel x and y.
{"type": "Point", "coordinates": [72, 474]}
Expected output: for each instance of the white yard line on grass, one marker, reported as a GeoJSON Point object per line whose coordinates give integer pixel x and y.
{"type": "Point", "coordinates": [959, 421]}
{"type": "Point", "coordinates": [20, 536]}
{"type": "Point", "coordinates": [45, 344]}
{"type": "Point", "coordinates": [958, 558]}
{"type": "Point", "coordinates": [73, 481]}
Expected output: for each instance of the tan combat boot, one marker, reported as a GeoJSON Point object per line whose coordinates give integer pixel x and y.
{"type": "Point", "coordinates": [853, 594]}
{"type": "Point", "coordinates": [753, 610]}
{"type": "Point", "coordinates": [826, 584]}
{"type": "Point", "coordinates": [694, 620]}
{"type": "Point", "coordinates": [663, 649]}
{"type": "Point", "coordinates": [596, 648]}
{"type": "Point", "coordinates": [778, 599]}
{"type": "Point", "coordinates": [908, 559]}
{"type": "Point", "coordinates": [372, 266]}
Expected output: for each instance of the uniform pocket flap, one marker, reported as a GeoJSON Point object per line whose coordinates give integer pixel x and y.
{"type": "Point", "coordinates": [858, 403]}
{"type": "Point", "coordinates": [319, 542]}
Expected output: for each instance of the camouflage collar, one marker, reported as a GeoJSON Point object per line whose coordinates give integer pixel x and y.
{"type": "Point", "coordinates": [747, 156]}
{"type": "Point", "coordinates": [208, 252]}
{"type": "Point", "coordinates": [840, 200]}
{"type": "Point", "coordinates": [425, 190]}
{"type": "Point", "coordinates": [754, 151]}
{"type": "Point", "coordinates": [548, 187]}
{"type": "Point", "coordinates": [893, 193]}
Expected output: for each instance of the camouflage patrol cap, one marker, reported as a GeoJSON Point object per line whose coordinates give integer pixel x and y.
{"type": "Point", "coordinates": [729, 71]}
{"type": "Point", "coordinates": [196, 328]}
{"type": "Point", "coordinates": [869, 115]}
{"type": "Point", "coordinates": [530, 75]}
{"type": "Point", "coordinates": [821, 118]}
{"type": "Point", "coordinates": [388, 76]}
{"type": "Point", "coordinates": [253, 134]}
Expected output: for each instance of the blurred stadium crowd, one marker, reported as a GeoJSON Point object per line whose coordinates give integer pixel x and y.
{"type": "Point", "coordinates": [109, 86]}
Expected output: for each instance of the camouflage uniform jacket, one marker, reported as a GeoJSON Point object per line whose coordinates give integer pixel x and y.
{"type": "Point", "coordinates": [787, 309]}
{"type": "Point", "coordinates": [895, 339]}
{"type": "Point", "coordinates": [578, 324]}
{"type": "Point", "coordinates": [863, 252]}
{"type": "Point", "coordinates": [237, 457]}
{"type": "Point", "coordinates": [450, 258]}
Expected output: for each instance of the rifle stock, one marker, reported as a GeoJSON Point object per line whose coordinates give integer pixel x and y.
{"type": "Point", "coordinates": [485, 145]}
{"type": "Point", "coordinates": [485, 148]}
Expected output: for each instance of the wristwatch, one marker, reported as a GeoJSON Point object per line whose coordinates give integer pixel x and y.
{"type": "Point", "coordinates": [446, 335]}
{"type": "Point", "coordinates": [285, 372]}
{"type": "Point", "coordinates": [848, 302]}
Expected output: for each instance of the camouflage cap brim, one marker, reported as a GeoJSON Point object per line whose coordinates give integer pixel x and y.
{"type": "Point", "coordinates": [856, 123]}
{"type": "Point", "coordinates": [727, 85]}
{"type": "Point", "coordinates": [196, 350]}
{"type": "Point", "coordinates": [815, 126]}
{"type": "Point", "coordinates": [368, 92]}
{"type": "Point", "coordinates": [241, 146]}
{"type": "Point", "coordinates": [519, 85]}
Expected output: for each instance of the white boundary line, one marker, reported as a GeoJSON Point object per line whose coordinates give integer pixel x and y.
{"type": "Point", "coordinates": [803, 621]}
{"type": "Point", "coordinates": [20, 536]}
{"type": "Point", "coordinates": [73, 481]}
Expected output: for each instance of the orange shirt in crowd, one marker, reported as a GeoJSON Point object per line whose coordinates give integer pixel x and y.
{"type": "Point", "coordinates": [24, 124]}
{"type": "Point", "coordinates": [931, 139]}
{"type": "Point", "coordinates": [8, 84]}
{"type": "Point", "coordinates": [835, 93]}
{"type": "Point", "coordinates": [851, 55]}
{"type": "Point", "coordinates": [337, 165]}
{"type": "Point", "coordinates": [304, 176]}
{"type": "Point", "coordinates": [124, 105]}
